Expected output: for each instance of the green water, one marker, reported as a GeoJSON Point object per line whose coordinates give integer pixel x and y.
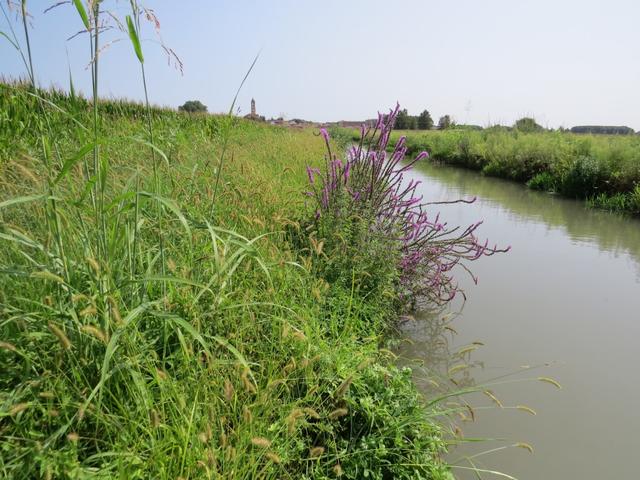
{"type": "Point", "coordinates": [565, 302]}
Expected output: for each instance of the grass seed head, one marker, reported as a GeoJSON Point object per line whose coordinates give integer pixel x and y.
{"type": "Point", "coordinates": [248, 384]}
{"type": "Point", "coordinates": [524, 408]}
{"type": "Point", "coordinates": [493, 397]}
{"type": "Point", "coordinates": [96, 332]}
{"type": "Point", "coordinates": [228, 390]}
{"type": "Point", "coordinates": [316, 452]}
{"type": "Point", "coordinates": [261, 442]}
{"type": "Point", "coordinates": [8, 346]}
{"type": "Point", "coordinates": [551, 381]}
{"type": "Point", "coordinates": [115, 311]}
{"type": "Point", "coordinates": [338, 413]}
{"type": "Point", "coordinates": [526, 446]}
{"type": "Point", "coordinates": [62, 338]}
{"type": "Point", "coordinates": [17, 408]}
{"type": "Point", "coordinates": [273, 457]}
{"type": "Point", "coordinates": [344, 386]}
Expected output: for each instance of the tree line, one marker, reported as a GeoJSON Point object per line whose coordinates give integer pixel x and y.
{"type": "Point", "coordinates": [424, 121]}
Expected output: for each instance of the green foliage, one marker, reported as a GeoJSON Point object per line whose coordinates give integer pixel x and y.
{"type": "Point", "coordinates": [527, 125]}
{"type": "Point", "coordinates": [425, 122]}
{"type": "Point", "coordinates": [342, 136]}
{"type": "Point", "coordinates": [402, 120]}
{"type": "Point", "coordinates": [385, 402]}
{"type": "Point", "coordinates": [354, 259]}
{"type": "Point", "coordinates": [619, 202]}
{"type": "Point", "coordinates": [112, 369]}
{"type": "Point", "coordinates": [585, 176]}
{"type": "Point", "coordinates": [543, 181]}
{"type": "Point", "coordinates": [445, 122]}
{"type": "Point", "coordinates": [603, 130]}
{"type": "Point", "coordinates": [597, 167]}
{"type": "Point", "coordinates": [193, 106]}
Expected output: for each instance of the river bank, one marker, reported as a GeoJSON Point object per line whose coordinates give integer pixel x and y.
{"type": "Point", "coordinates": [603, 170]}
{"type": "Point", "coordinates": [161, 323]}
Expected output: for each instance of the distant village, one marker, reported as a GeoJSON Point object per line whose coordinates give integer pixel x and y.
{"type": "Point", "coordinates": [300, 123]}
{"type": "Point", "coordinates": [524, 124]}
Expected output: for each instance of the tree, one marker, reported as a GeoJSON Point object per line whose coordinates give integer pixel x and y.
{"type": "Point", "coordinates": [445, 122]}
{"type": "Point", "coordinates": [425, 122]}
{"type": "Point", "coordinates": [528, 125]}
{"type": "Point", "coordinates": [193, 106]}
{"type": "Point", "coordinates": [402, 120]}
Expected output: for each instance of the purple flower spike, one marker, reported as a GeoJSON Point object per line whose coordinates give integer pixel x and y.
{"type": "Point", "coordinates": [370, 185]}
{"type": "Point", "coordinates": [421, 156]}
{"type": "Point", "coordinates": [310, 175]}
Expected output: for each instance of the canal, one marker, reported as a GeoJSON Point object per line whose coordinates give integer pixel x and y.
{"type": "Point", "coordinates": [564, 303]}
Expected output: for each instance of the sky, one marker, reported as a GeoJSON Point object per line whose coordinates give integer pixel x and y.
{"type": "Point", "coordinates": [564, 62]}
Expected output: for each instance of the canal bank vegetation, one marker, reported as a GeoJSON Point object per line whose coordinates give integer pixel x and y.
{"type": "Point", "coordinates": [604, 170]}
{"type": "Point", "coordinates": [173, 306]}
{"type": "Point", "coordinates": [156, 323]}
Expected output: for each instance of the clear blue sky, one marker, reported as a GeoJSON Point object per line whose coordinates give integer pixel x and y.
{"type": "Point", "coordinates": [566, 62]}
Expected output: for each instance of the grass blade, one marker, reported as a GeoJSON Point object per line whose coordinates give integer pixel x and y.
{"type": "Point", "coordinates": [83, 13]}
{"type": "Point", "coordinates": [133, 35]}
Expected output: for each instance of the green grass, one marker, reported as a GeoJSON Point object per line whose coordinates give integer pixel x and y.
{"type": "Point", "coordinates": [603, 169]}
{"type": "Point", "coordinates": [151, 331]}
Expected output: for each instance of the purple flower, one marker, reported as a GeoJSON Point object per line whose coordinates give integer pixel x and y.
{"type": "Point", "coordinates": [310, 175]}
{"type": "Point", "coordinates": [422, 155]}
{"type": "Point", "coordinates": [370, 185]}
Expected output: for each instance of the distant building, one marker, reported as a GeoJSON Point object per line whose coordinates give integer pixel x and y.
{"type": "Point", "coordinates": [253, 115]}
{"type": "Point", "coordinates": [370, 123]}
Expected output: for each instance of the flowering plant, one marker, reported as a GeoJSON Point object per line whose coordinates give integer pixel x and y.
{"type": "Point", "coordinates": [369, 187]}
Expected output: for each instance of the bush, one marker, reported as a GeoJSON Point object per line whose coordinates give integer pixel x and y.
{"type": "Point", "coordinates": [527, 125]}
{"type": "Point", "coordinates": [585, 177]}
{"type": "Point", "coordinates": [193, 106]}
{"type": "Point", "coordinates": [543, 181]}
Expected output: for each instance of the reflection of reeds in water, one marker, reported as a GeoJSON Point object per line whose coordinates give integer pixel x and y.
{"type": "Point", "coordinates": [427, 349]}
{"type": "Point", "coordinates": [445, 375]}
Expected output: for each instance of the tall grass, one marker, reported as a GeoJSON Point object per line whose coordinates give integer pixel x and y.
{"type": "Point", "coordinates": [142, 337]}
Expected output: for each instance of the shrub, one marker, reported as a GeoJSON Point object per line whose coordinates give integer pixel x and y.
{"type": "Point", "coordinates": [544, 181]}
{"type": "Point", "coordinates": [527, 125]}
{"type": "Point", "coordinates": [193, 106]}
{"type": "Point", "coordinates": [585, 177]}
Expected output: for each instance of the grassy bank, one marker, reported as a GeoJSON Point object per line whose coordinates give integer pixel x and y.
{"type": "Point", "coordinates": [602, 169]}
{"type": "Point", "coordinates": [156, 323]}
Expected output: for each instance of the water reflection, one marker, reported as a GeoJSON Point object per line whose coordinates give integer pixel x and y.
{"type": "Point", "coordinates": [429, 350]}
